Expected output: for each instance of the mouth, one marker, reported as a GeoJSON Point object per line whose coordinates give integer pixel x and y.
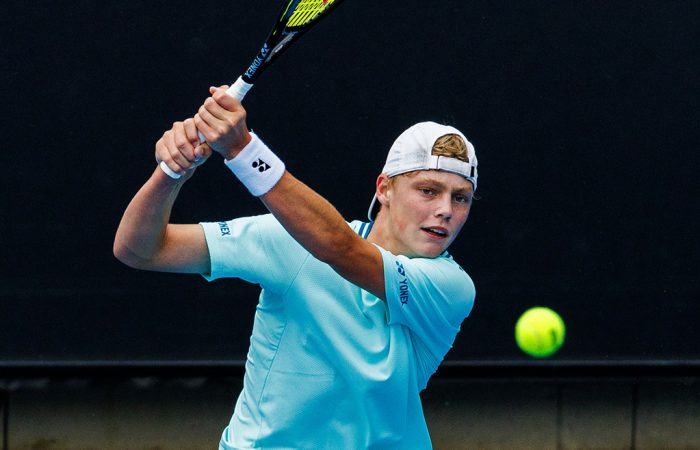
{"type": "Point", "coordinates": [435, 232]}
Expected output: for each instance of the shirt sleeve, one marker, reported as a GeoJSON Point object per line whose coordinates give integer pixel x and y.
{"type": "Point", "coordinates": [429, 296]}
{"type": "Point", "coordinates": [255, 249]}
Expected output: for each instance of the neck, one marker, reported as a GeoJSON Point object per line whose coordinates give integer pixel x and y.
{"type": "Point", "coordinates": [381, 235]}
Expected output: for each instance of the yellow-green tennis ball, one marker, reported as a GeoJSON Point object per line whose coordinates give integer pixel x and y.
{"type": "Point", "coordinates": [540, 332]}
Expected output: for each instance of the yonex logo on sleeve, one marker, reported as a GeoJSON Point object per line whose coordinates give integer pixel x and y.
{"type": "Point", "coordinates": [403, 284]}
{"type": "Point", "coordinates": [225, 230]}
{"type": "Point", "coordinates": [261, 165]}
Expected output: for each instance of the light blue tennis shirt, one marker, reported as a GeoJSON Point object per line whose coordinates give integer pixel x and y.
{"type": "Point", "coordinates": [331, 366]}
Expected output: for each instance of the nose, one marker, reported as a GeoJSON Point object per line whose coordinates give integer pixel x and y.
{"type": "Point", "coordinates": [443, 207]}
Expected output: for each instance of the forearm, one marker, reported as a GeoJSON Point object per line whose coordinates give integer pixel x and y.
{"type": "Point", "coordinates": [321, 230]}
{"type": "Point", "coordinates": [141, 232]}
{"type": "Point", "coordinates": [309, 218]}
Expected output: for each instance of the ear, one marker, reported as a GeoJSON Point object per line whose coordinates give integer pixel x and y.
{"type": "Point", "coordinates": [383, 189]}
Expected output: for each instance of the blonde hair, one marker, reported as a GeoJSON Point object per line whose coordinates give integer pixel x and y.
{"type": "Point", "coordinates": [451, 145]}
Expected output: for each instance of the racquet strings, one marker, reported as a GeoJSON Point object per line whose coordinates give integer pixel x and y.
{"type": "Point", "coordinates": [306, 12]}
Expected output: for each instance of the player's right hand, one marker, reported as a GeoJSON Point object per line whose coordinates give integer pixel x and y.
{"type": "Point", "coordinates": [222, 121]}
{"type": "Point", "coordinates": [180, 149]}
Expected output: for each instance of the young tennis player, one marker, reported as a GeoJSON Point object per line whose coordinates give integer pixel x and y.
{"type": "Point", "coordinates": [353, 318]}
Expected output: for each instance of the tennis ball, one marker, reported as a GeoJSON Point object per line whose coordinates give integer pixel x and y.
{"type": "Point", "coordinates": [540, 332]}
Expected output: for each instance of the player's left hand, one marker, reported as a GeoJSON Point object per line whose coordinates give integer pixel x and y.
{"type": "Point", "coordinates": [180, 149]}
{"type": "Point", "coordinates": [222, 121]}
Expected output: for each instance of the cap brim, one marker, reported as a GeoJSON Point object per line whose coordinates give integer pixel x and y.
{"type": "Point", "coordinates": [371, 213]}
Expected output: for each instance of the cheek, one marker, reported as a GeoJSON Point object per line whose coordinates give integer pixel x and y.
{"type": "Point", "coordinates": [465, 214]}
{"type": "Point", "coordinates": [461, 222]}
{"type": "Point", "coordinates": [410, 216]}
{"type": "Point", "coordinates": [401, 224]}
{"type": "Point", "coordinates": [402, 216]}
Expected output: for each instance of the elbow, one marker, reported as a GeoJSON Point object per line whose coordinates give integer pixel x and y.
{"type": "Point", "coordinates": [120, 252]}
{"type": "Point", "coordinates": [126, 256]}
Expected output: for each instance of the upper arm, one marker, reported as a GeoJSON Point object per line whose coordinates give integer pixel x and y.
{"type": "Point", "coordinates": [183, 249]}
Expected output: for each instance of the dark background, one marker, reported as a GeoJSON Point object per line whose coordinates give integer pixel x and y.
{"type": "Point", "coordinates": [583, 114]}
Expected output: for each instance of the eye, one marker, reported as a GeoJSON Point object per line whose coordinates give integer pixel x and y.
{"type": "Point", "coordinates": [426, 191]}
{"type": "Point", "coordinates": [459, 198]}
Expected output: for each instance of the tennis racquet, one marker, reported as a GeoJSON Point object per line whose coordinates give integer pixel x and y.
{"type": "Point", "coordinates": [295, 18]}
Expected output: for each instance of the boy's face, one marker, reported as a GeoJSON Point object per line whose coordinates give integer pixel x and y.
{"type": "Point", "coordinates": [424, 211]}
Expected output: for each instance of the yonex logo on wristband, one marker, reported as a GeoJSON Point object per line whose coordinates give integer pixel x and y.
{"type": "Point", "coordinates": [261, 165]}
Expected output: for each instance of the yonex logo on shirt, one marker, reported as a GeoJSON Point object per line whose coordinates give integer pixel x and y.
{"type": "Point", "coordinates": [403, 284]}
{"type": "Point", "coordinates": [400, 269]}
{"type": "Point", "coordinates": [261, 165]}
{"type": "Point", "coordinates": [225, 230]}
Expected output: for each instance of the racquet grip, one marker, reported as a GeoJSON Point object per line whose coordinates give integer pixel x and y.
{"type": "Point", "coordinates": [237, 90]}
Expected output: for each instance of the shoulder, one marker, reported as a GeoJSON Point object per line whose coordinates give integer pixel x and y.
{"type": "Point", "coordinates": [439, 282]}
{"type": "Point", "coordinates": [452, 286]}
{"type": "Point", "coordinates": [445, 275]}
{"type": "Point", "coordinates": [241, 225]}
{"type": "Point", "coordinates": [252, 235]}
{"type": "Point", "coordinates": [255, 248]}
{"type": "Point", "coordinates": [442, 269]}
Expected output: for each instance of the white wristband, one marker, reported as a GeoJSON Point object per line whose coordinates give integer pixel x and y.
{"type": "Point", "coordinates": [257, 167]}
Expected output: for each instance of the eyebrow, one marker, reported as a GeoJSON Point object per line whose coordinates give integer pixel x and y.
{"type": "Point", "coordinates": [429, 179]}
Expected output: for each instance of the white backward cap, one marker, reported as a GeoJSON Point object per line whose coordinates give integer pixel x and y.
{"type": "Point", "coordinates": [412, 150]}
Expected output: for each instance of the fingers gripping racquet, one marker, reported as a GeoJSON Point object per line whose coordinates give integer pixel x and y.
{"type": "Point", "coordinates": [295, 18]}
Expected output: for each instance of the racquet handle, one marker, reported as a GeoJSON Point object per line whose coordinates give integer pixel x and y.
{"type": "Point", "coordinates": [237, 90]}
